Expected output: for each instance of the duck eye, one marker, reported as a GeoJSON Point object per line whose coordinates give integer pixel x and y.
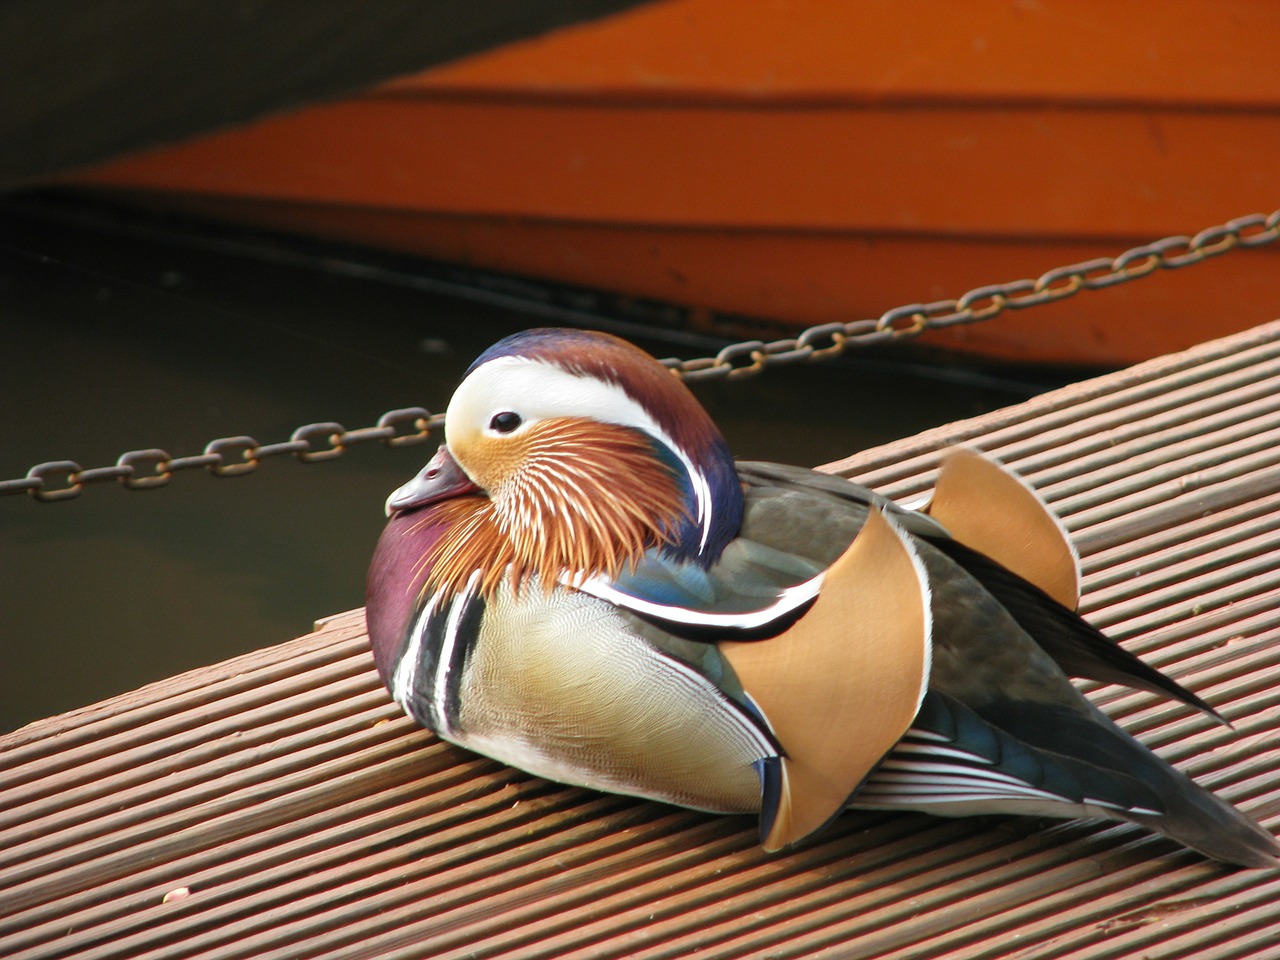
{"type": "Point", "coordinates": [505, 422]}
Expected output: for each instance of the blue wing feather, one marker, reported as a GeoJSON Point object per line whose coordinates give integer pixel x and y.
{"type": "Point", "coordinates": [750, 588]}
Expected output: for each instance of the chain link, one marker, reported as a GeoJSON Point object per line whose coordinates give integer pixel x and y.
{"type": "Point", "coordinates": [224, 457]}
{"type": "Point", "coordinates": [235, 456]}
{"type": "Point", "coordinates": [982, 303]}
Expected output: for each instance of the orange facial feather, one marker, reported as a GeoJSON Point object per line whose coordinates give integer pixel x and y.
{"type": "Point", "coordinates": [583, 498]}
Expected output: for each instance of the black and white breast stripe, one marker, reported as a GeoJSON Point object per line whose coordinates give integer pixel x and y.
{"type": "Point", "coordinates": [431, 664]}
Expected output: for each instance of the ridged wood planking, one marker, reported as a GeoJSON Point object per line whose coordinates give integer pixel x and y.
{"type": "Point", "coordinates": [309, 819]}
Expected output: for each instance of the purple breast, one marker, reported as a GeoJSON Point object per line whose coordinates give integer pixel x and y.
{"type": "Point", "coordinates": [396, 576]}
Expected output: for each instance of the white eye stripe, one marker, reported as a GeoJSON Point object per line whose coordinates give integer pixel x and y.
{"type": "Point", "coordinates": [543, 391]}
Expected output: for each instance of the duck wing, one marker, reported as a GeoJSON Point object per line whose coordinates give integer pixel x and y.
{"type": "Point", "coordinates": [816, 514]}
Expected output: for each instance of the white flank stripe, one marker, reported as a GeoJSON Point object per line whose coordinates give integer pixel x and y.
{"type": "Point", "coordinates": [406, 675]}
{"type": "Point", "coordinates": [788, 600]}
{"type": "Point", "coordinates": [932, 788]}
{"type": "Point", "coordinates": [444, 659]}
{"type": "Point", "coordinates": [936, 750]}
{"type": "Point", "coordinates": [903, 769]}
{"type": "Point", "coordinates": [874, 798]}
{"type": "Point", "coordinates": [917, 734]}
{"type": "Point", "coordinates": [1108, 805]}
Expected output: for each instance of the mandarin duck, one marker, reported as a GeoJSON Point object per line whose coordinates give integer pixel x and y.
{"type": "Point", "coordinates": [583, 584]}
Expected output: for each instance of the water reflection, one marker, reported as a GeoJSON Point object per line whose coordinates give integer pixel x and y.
{"type": "Point", "coordinates": [115, 342]}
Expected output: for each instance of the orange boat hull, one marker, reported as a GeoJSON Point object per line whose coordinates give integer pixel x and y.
{"type": "Point", "coordinates": [807, 162]}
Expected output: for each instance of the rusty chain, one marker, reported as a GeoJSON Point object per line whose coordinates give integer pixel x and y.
{"type": "Point", "coordinates": [224, 457]}
{"type": "Point", "coordinates": [233, 456]}
{"type": "Point", "coordinates": [983, 303]}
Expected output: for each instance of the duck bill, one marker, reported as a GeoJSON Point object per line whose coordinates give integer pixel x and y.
{"type": "Point", "coordinates": [441, 479]}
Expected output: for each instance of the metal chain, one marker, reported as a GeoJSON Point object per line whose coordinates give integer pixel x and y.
{"type": "Point", "coordinates": [234, 456]}
{"type": "Point", "coordinates": [224, 457]}
{"type": "Point", "coordinates": [983, 303]}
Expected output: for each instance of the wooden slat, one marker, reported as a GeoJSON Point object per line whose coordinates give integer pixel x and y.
{"type": "Point", "coordinates": [309, 819]}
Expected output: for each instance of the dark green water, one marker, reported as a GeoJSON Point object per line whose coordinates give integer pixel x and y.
{"type": "Point", "coordinates": [114, 341]}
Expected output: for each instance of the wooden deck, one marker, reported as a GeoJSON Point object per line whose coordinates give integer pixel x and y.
{"type": "Point", "coordinates": [277, 805]}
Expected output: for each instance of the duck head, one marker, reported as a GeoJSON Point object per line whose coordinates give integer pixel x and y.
{"type": "Point", "coordinates": [569, 454]}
